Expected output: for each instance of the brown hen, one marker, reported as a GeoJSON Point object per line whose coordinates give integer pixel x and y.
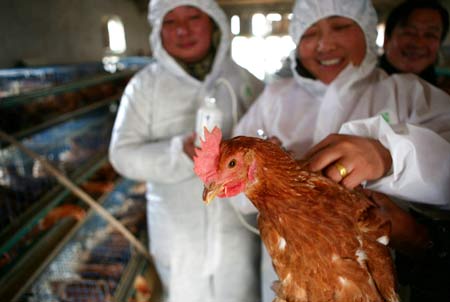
{"type": "Point", "coordinates": [327, 243]}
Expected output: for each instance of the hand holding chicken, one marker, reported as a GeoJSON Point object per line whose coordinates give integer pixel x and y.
{"type": "Point", "coordinates": [327, 243]}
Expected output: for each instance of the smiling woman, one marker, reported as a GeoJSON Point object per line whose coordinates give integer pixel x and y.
{"type": "Point", "coordinates": [329, 45]}
{"type": "Point", "coordinates": [351, 121]}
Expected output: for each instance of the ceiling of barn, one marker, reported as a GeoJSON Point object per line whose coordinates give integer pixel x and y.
{"type": "Point", "coordinates": [285, 6]}
{"type": "Point", "coordinates": [282, 6]}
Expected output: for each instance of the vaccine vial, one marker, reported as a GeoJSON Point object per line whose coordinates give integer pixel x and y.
{"type": "Point", "coordinates": [209, 116]}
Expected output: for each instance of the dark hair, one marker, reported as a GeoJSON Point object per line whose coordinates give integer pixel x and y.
{"type": "Point", "coordinates": [401, 13]}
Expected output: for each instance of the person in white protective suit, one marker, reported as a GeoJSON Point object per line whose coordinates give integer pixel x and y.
{"type": "Point", "coordinates": [350, 119]}
{"type": "Point", "coordinates": [201, 253]}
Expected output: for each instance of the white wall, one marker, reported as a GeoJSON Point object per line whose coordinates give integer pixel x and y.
{"type": "Point", "coordinates": [65, 31]}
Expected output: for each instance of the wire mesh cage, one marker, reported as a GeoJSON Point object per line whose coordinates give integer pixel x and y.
{"type": "Point", "coordinates": [23, 180]}
{"type": "Point", "coordinates": [91, 265]}
{"type": "Point", "coordinates": [31, 201]}
{"type": "Point", "coordinates": [53, 247]}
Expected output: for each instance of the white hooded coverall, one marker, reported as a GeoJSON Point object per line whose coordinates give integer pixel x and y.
{"type": "Point", "coordinates": [408, 116]}
{"type": "Point", "coordinates": [202, 253]}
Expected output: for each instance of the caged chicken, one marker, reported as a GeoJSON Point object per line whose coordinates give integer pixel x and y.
{"type": "Point", "coordinates": [327, 243]}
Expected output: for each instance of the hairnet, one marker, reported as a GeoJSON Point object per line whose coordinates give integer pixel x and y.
{"type": "Point", "coordinates": [308, 12]}
{"type": "Point", "coordinates": [159, 8]}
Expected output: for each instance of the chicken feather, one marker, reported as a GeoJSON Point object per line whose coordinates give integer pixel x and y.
{"type": "Point", "coordinates": [327, 243]}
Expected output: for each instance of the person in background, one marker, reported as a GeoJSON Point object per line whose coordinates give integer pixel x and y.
{"type": "Point", "coordinates": [200, 253]}
{"type": "Point", "coordinates": [414, 33]}
{"type": "Point", "coordinates": [361, 127]}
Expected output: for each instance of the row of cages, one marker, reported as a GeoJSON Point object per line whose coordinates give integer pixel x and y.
{"type": "Point", "coordinates": [53, 246]}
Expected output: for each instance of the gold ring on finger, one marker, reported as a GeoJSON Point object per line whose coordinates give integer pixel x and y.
{"type": "Point", "coordinates": [342, 170]}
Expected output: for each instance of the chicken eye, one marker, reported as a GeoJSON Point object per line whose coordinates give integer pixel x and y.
{"type": "Point", "coordinates": [232, 163]}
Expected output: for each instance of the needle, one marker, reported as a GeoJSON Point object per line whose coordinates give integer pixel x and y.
{"type": "Point", "coordinates": [261, 134]}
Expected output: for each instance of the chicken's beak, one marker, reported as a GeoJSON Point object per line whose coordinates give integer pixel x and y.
{"type": "Point", "coordinates": [211, 191]}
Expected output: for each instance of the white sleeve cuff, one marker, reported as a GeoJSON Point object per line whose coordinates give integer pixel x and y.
{"type": "Point", "coordinates": [420, 160]}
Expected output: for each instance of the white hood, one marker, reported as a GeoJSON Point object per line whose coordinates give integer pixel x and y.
{"type": "Point", "coordinates": [159, 8]}
{"type": "Point", "coordinates": [308, 12]}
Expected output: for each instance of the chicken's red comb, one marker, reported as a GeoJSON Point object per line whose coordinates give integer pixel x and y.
{"type": "Point", "coordinates": [206, 159]}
